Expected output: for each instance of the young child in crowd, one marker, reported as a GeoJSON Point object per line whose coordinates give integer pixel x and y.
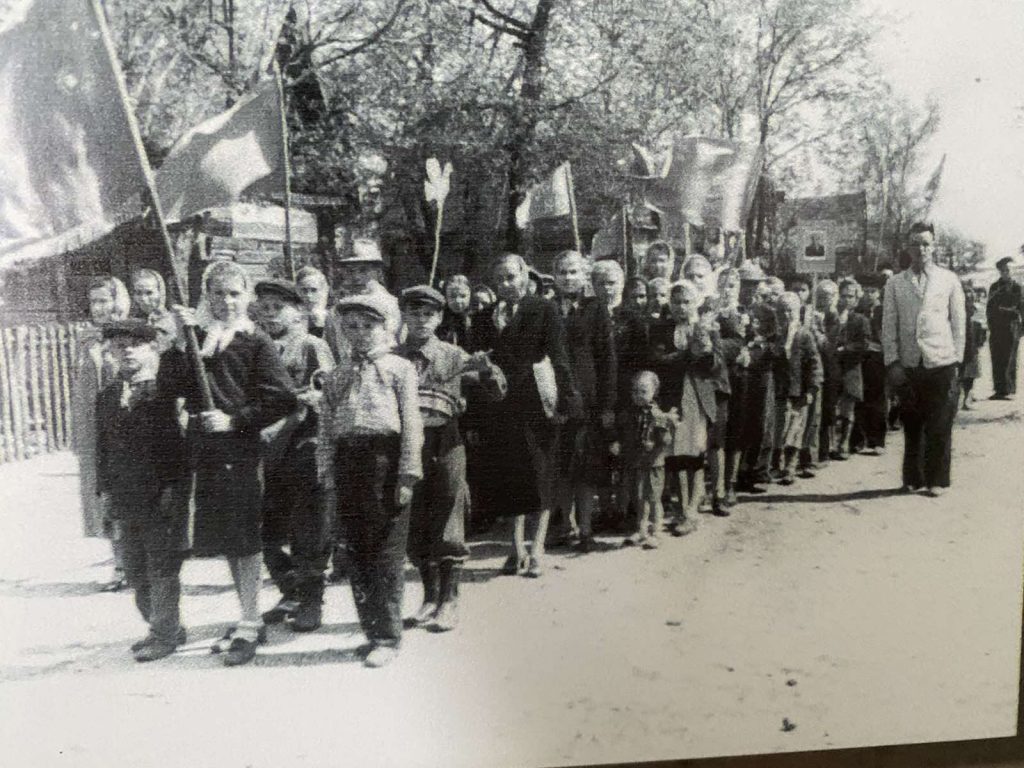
{"type": "Point", "coordinates": [683, 351]}
{"type": "Point", "coordinates": [296, 531]}
{"type": "Point", "coordinates": [437, 542]}
{"type": "Point", "coordinates": [644, 436]}
{"type": "Point", "coordinates": [977, 334]}
{"type": "Point", "coordinates": [250, 390]}
{"type": "Point", "coordinates": [657, 298]}
{"type": "Point", "coordinates": [370, 457]}
{"type": "Point", "coordinates": [458, 319]}
{"type": "Point", "coordinates": [798, 377]}
{"type": "Point", "coordinates": [143, 475]}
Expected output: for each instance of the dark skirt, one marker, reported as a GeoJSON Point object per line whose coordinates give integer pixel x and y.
{"type": "Point", "coordinates": [517, 466]}
{"type": "Point", "coordinates": [228, 497]}
{"type": "Point", "coordinates": [718, 434]}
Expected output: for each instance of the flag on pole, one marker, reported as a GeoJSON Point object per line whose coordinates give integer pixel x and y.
{"type": "Point", "coordinates": [548, 200]}
{"type": "Point", "coordinates": [215, 162]}
{"type": "Point", "coordinates": [69, 171]}
{"type": "Point", "coordinates": [707, 182]}
{"type": "Point", "coordinates": [931, 189]}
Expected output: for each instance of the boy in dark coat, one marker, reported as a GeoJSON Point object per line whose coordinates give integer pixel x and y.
{"type": "Point", "coordinates": [296, 529]}
{"type": "Point", "coordinates": [142, 471]}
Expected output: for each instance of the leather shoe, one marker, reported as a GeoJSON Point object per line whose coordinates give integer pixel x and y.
{"type": "Point", "coordinates": [240, 652]}
{"type": "Point", "coordinates": [154, 650]}
{"type": "Point", "coordinates": [179, 639]}
{"type": "Point", "coordinates": [308, 616]}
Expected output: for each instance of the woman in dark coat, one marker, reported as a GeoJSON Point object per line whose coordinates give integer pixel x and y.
{"type": "Point", "coordinates": [251, 390]}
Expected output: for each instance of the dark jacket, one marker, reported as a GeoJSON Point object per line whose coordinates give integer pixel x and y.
{"type": "Point", "coordinates": [590, 342]}
{"type": "Point", "coordinates": [455, 329]}
{"type": "Point", "coordinates": [1004, 308]}
{"type": "Point", "coordinates": [140, 450]}
{"type": "Point", "coordinates": [852, 343]}
{"type": "Point", "coordinates": [535, 331]}
{"type": "Point", "coordinates": [672, 365]}
{"type": "Point", "coordinates": [797, 372]}
{"type": "Point", "coordinates": [629, 329]}
{"type": "Point", "coordinates": [644, 439]}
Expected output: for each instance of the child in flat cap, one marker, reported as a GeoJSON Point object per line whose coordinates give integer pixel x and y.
{"type": "Point", "coordinates": [369, 459]}
{"type": "Point", "coordinates": [143, 474]}
{"type": "Point", "coordinates": [296, 526]}
{"type": "Point", "coordinates": [437, 540]}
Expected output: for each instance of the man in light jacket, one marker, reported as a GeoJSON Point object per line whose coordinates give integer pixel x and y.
{"type": "Point", "coordinates": [923, 336]}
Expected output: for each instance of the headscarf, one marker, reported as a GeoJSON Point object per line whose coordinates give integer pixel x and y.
{"type": "Point", "coordinates": [218, 333]}
{"type": "Point", "coordinates": [121, 299]}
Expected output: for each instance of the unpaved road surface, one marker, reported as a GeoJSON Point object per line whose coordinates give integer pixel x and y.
{"type": "Point", "coordinates": [858, 615]}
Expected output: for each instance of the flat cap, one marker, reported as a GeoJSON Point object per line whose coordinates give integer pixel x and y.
{"type": "Point", "coordinates": [372, 304]}
{"type": "Point", "coordinates": [139, 330]}
{"type": "Point", "coordinates": [422, 294]}
{"type": "Point", "coordinates": [1004, 261]}
{"type": "Point", "coordinates": [278, 286]}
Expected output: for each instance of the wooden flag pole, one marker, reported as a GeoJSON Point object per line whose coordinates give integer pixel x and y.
{"type": "Point", "coordinates": [286, 165]}
{"type": "Point", "coordinates": [572, 208]}
{"type": "Point", "coordinates": [177, 285]}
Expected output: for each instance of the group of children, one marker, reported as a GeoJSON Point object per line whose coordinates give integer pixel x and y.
{"type": "Point", "coordinates": [316, 425]}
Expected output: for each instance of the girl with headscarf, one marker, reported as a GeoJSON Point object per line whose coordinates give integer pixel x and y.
{"type": "Point", "coordinates": [684, 357]}
{"type": "Point", "coordinates": [94, 370]}
{"type": "Point", "coordinates": [251, 390]}
{"type": "Point", "coordinates": [457, 319]}
{"type": "Point", "coordinates": [149, 302]}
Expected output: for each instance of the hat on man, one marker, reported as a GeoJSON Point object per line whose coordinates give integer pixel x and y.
{"type": "Point", "coordinates": [422, 295]}
{"type": "Point", "coordinates": [1004, 262]}
{"type": "Point", "coordinates": [279, 287]}
{"type": "Point", "coordinates": [871, 280]}
{"type": "Point", "coordinates": [363, 251]}
{"type": "Point", "coordinates": [138, 330]}
{"type": "Point", "coordinates": [375, 304]}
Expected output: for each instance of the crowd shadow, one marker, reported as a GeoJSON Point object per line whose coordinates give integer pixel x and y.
{"type": "Point", "coordinates": [822, 498]}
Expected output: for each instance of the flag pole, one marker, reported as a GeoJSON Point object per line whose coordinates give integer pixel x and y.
{"type": "Point", "coordinates": [572, 208]}
{"type": "Point", "coordinates": [177, 285]}
{"type": "Point", "coordinates": [286, 164]}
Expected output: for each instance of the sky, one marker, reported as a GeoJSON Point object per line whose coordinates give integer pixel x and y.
{"type": "Point", "coordinates": [969, 55]}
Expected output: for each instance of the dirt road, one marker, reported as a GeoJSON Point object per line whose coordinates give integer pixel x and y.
{"type": "Point", "coordinates": [857, 615]}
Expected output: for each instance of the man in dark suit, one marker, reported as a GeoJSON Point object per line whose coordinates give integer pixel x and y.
{"type": "Point", "coordinates": [518, 436]}
{"type": "Point", "coordinates": [1004, 312]}
{"type": "Point", "coordinates": [590, 344]}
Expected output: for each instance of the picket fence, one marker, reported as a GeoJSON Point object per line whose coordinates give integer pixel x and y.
{"type": "Point", "coordinates": [37, 364]}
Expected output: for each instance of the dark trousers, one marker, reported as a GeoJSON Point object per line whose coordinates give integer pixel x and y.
{"type": "Point", "coordinates": [154, 548]}
{"type": "Point", "coordinates": [928, 403]}
{"type": "Point", "coordinates": [296, 530]}
{"type": "Point", "coordinates": [376, 531]}
{"type": "Point", "coordinates": [1003, 344]}
{"type": "Point", "coordinates": [872, 412]}
{"type": "Point", "coordinates": [437, 525]}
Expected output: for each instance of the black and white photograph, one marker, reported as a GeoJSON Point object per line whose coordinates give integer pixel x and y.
{"type": "Point", "coordinates": [513, 383]}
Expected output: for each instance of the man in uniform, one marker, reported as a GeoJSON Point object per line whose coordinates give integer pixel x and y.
{"type": "Point", "coordinates": [1004, 313]}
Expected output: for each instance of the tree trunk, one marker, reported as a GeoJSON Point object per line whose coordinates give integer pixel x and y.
{"type": "Point", "coordinates": [525, 116]}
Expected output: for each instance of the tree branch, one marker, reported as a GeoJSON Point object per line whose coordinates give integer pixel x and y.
{"type": "Point", "coordinates": [511, 21]}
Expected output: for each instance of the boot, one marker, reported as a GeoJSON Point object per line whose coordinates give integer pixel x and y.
{"type": "Point", "coordinates": [287, 605]}
{"type": "Point", "coordinates": [447, 616]}
{"type": "Point", "coordinates": [309, 614]}
{"type": "Point", "coordinates": [430, 574]}
{"type": "Point", "coordinates": [166, 632]}
{"type": "Point", "coordinates": [786, 475]}
{"type": "Point", "coordinates": [842, 449]}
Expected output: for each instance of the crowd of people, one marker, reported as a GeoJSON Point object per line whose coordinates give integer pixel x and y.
{"type": "Point", "coordinates": [369, 428]}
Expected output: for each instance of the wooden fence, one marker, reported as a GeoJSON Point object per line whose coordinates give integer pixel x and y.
{"type": "Point", "coordinates": [37, 363]}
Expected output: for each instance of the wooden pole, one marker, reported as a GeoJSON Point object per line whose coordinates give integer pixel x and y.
{"type": "Point", "coordinates": [6, 405]}
{"type": "Point", "coordinates": [176, 284]}
{"type": "Point", "coordinates": [572, 208]}
{"type": "Point", "coordinates": [286, 165]}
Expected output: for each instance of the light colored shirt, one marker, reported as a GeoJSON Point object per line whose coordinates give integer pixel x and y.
{"type": "Point", "coordinates": [372, 395]}
{"type": "Point", "coordinates": [924, 322]}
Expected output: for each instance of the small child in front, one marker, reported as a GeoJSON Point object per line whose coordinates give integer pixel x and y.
{"type": "Point", "coordinates": [142, 471]}
{"type": "Point", "coordinates": [369, 459]}
{"type": "Point", "coordinates": [644, 437]}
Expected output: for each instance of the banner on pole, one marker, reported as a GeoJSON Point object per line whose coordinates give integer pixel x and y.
{"type": "Point", "coordinates": [69, 168]}
{"type": "Point", "coordinates": [547, 200]}
{"type": "Point", "coordinates": [215, 162]}
{"type": "Point", "coordinates": [706, 182]}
